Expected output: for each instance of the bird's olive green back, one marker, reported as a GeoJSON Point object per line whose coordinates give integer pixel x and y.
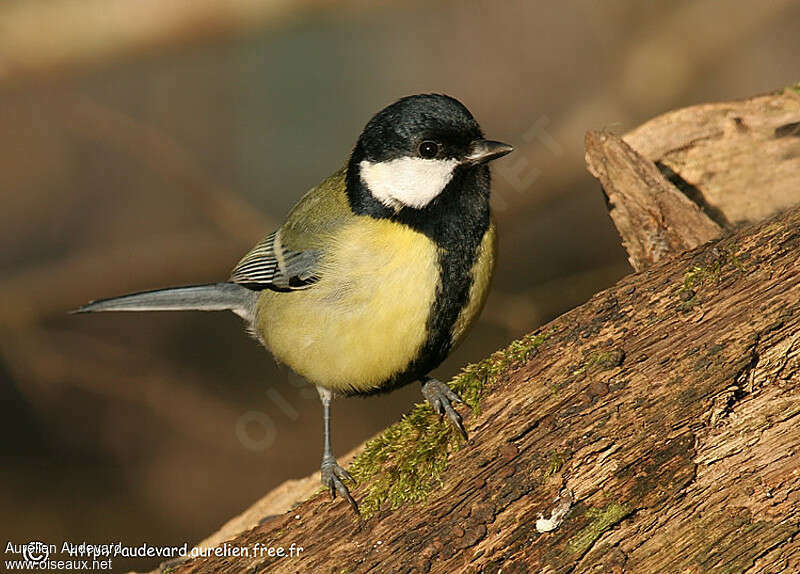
{"type": "Point", "coordinates": [317, 215]}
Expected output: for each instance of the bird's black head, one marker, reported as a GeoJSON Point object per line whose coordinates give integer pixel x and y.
{"type": "Point", "coordinates": [400, 130]}
{"type": "Point", "coordinates": [411, 150]}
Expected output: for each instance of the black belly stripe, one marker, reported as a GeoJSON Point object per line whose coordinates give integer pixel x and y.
{"type": "Point", "coordinates": [456, 221]}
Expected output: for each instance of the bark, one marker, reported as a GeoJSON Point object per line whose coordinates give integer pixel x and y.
{"type": "Point", "coordinates": [653, 217]}
{"type": "Point", "coordinates": [683, 178]}
{"type": "Point", "coordinates": [740, 161]}
{"type": "Point", "coordinates": [656, 428]}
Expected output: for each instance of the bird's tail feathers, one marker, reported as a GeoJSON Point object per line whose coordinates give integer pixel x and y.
{"type": "Point", "coordinates": [212, 297]}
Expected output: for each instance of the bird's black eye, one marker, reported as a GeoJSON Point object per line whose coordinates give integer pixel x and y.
{"type": "Point", "coordinates": [428, 149]}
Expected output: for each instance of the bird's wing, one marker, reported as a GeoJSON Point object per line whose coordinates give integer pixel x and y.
{"type": "Point", "coordinates": [289, 258]}
{"type": "Point", "coordinates": [270, 265]}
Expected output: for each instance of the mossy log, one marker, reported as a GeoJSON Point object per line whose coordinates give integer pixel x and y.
{"type": "Point", "coordinates": [666, 419]}
{"type": "Point", "coordinates": [654, 429]}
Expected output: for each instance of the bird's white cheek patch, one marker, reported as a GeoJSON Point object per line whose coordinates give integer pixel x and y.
{"type": "Point", "coordinates": [407, 181]}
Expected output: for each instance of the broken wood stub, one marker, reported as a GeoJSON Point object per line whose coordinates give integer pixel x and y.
{"type": "Point", "coordinates": [683, 178]}
{"type": "Point", "coordinates": [652, 216]}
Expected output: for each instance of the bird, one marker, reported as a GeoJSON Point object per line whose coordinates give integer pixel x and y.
{"type": "Point", "coordinates": [376, 273]}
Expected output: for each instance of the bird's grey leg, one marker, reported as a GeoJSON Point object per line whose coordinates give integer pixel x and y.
{"type": "Point", "coordinates": [441, 398]}
{"type": "Point", "coordinates": [331, 473]}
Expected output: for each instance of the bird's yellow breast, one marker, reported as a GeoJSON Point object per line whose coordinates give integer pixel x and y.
{"type": "Point", "coordinates": [481, 274]}
{"type": "Point", "coordinates": [365, 319]}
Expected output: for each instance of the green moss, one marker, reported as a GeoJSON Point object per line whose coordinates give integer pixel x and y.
{"type": "Point", "coordinates": [601, 520]}
{"type": "Point", "coordinates": [406, 461]}
{"type": "Point", "coordinates": [700, 276]}
{"type": "Point", "coordinates": [555, 461]}
{"type": "Point", "coordinates": [689, 303]}
{"type": "Point", "coordinates": [600, 361]}
{"type": "Point", "coordinates": [606, 359]}
{"type": "Point", "coordinates": [795, 88]}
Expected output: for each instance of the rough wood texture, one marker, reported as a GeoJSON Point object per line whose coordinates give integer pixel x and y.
{"type": "Point", "coordinates": [652, 216]}
{"type": "Point", "coordinates": [680, 179]}
{"type": "Point", "coordinates": [665, 412]}
{"type": "Point", "coordinates": [738, 160]}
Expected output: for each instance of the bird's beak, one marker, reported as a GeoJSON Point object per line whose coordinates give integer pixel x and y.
{"type": "Point", "coordinates": [481, 151]}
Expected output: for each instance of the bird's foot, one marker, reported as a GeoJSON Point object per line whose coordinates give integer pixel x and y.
{"type": "Point", "coordinates": [333, 477]}
{"type": "Point", "coordinates": [441, 398]}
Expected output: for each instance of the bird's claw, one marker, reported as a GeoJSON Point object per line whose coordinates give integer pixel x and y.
{"type": "Point", "coordinates": [333, 477]}
{"type": "Point", "coordinates": [441, 398]}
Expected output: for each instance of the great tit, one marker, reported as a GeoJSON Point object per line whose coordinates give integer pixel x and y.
{"type": "Point", "coordinates": [377, 272]}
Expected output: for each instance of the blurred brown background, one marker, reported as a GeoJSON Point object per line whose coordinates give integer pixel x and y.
{"type": "Point", "coordinates": [146, 144]}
